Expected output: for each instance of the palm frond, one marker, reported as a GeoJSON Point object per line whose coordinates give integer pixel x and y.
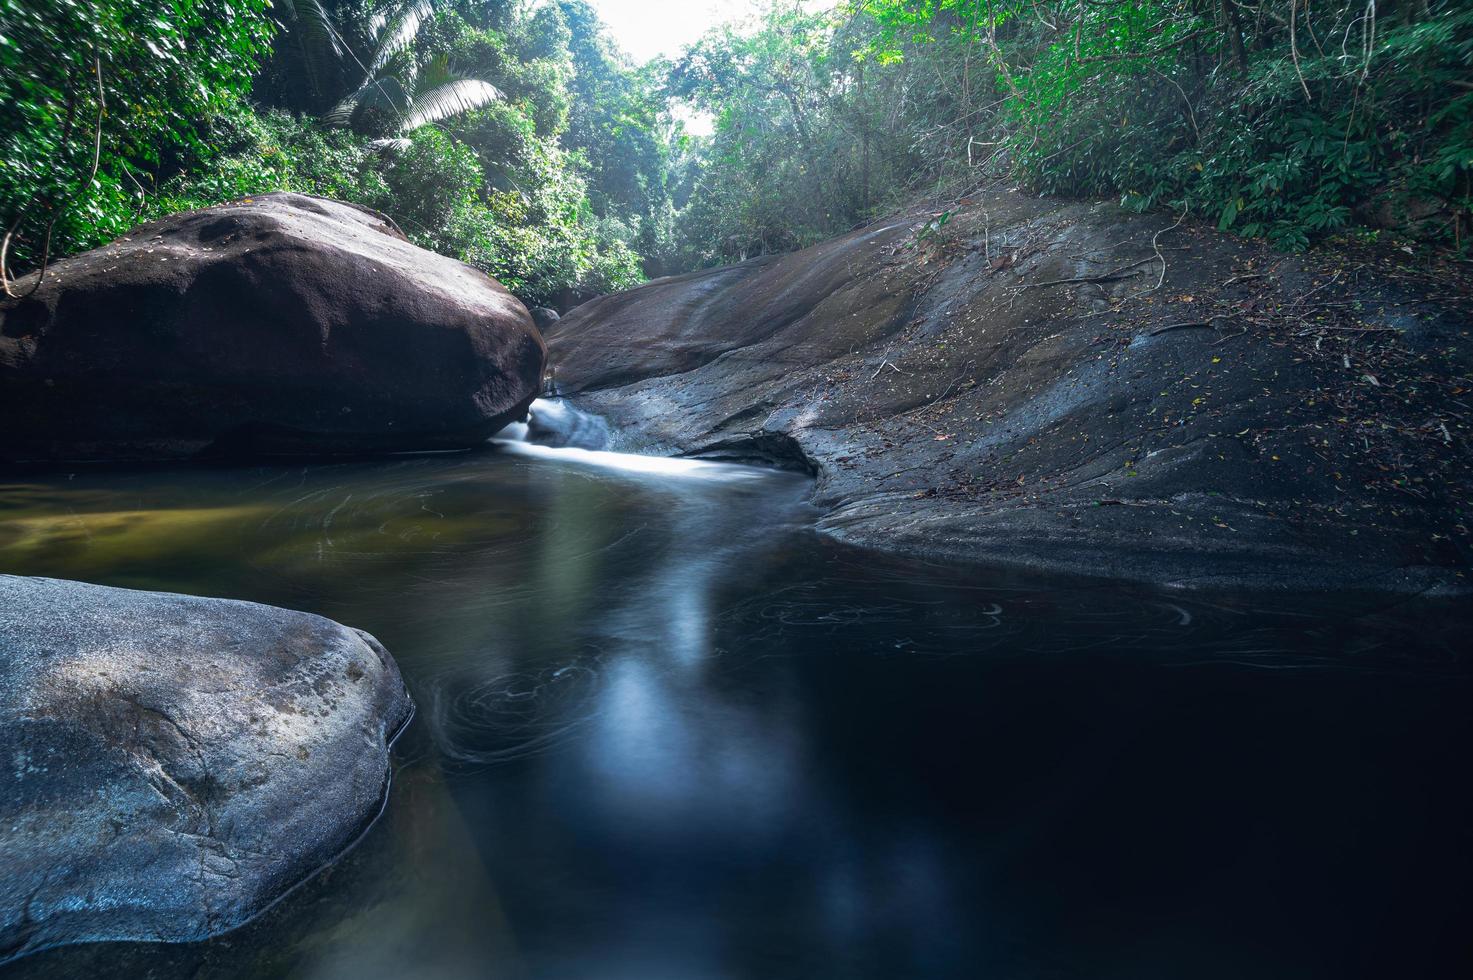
{"type": "Point", "coordinates": [449, 99]}
{"type": "Point", "coordinates": [379, 105]}
{"type": "Point", "coordinates": [390, 146]}
{"type": "Point", "coordinates": [436, 72]}
{"type": "Point", "coordinates": [398, 32]}
{"type": "Point", "coordinates": [310, 20]}
{"type": "Point", "coordinates": [341, 115]}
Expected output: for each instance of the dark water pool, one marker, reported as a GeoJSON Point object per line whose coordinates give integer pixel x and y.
{"type": "Point", "coordinates": [667, 733]}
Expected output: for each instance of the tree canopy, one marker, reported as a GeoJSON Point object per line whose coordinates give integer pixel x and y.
{"type": "Point", "coordinates": [516, 136]}
{"type": "Point", "coordinates": [1286, 119]}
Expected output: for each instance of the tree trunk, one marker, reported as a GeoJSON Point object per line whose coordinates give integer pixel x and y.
{"type": "Point", "coordinates": [864, 115]}
{"type": "Point", "coordinates": [1234, 28]}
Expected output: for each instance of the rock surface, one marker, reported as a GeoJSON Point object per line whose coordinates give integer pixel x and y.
{"type": "Point", "coordinates": [175, 764]}
{"type": "Point", "coordinates": [281, 323]}
{"type": "Point", "coordinates": [544, 317]}
{"type": "Point", "coordinates": [1071, 387]}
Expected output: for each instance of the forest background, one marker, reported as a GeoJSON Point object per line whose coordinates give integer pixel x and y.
{"type": "Point", "coordinates": [517, 136]}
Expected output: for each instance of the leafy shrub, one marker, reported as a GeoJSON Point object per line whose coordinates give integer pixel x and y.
{"type": "Point", "coordinates": [255, 153]}
{"type": "Point", "coordinates": [1287, 119]}
{"type": "Point", "coordinates": [1283, 150]}
{"type": "Point", "coordinates": [126, 86]}
{"type": "Point", "coordinates": [543, 243]}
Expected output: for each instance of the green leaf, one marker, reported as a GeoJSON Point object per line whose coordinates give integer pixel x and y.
{"type": "Point", "coordinates": [1229, 215]}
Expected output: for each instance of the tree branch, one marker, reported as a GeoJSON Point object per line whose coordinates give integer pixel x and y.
{"type": "Point", "coordinates": [1185, 38]}
{"type": "Point", "coordinates": [58, 210]}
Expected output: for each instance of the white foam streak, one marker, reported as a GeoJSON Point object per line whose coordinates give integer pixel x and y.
{"type": "Point", "coordinates": [696, 469]}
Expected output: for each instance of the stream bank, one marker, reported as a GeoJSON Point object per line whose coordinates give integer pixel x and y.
{"type": "Point", "coordinates": [1071, 387]}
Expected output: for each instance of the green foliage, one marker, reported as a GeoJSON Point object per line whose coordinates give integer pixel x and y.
{"type": "Point", "coordinates": [790, 161]}
{"type": "Point", "coordinates": [270, 151]}
{"type": "Point", "coordinates": [1288, 119]}
{"type": "Point", "coordinates": [518, 138]}
{"type": "Point", "coordinates": [496, 187]}
{"type": "Point", "coordinates": [1292, 152]}
{"type": "Point", "coordinates": [427, 185]}
{"type": "Point", "coordinates": [401, 85]}
{"type": "Point", "coordinates": [617, 125]}
{"type": "Point", "coordinates": [531, 227]}
{"type": "Point", "coordinates": [129, 81]}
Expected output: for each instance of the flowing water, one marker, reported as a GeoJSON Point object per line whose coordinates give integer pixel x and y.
{"type": "Point", "coordinates": [666, 732]}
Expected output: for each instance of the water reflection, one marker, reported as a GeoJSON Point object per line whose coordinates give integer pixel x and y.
{"type": "Point", "coordinates": [666, 732]}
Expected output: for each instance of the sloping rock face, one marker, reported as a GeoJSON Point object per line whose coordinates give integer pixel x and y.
{"type": "Point", "coordinates": [1071, 387]}
{"type": "Point", "coordinates": [279, 324]}
{"type": "Point", "coordinates": [174, 764]}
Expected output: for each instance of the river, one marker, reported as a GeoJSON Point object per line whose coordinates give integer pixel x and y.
{"type": "Point", "coordinates": [667, 732]}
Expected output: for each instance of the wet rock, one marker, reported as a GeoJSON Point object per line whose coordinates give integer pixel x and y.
{"type": "Point", "coordinates": [279, 324]}
{"type": "Point", "coordinates": [1066, 386]}
{"type": "Point", "coordinates": [172, 765]}
{"type": "Point", "coordinates": [544, 317]}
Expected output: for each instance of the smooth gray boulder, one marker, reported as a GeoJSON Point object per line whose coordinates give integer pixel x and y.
{"type": "Point", "coordinates": [173, 764]}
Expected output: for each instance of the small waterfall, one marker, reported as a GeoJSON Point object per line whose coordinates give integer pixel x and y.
{"type": "Point", "coordinates": [553, 422]}
{"type": "Point", "coordinates": [557, 431]}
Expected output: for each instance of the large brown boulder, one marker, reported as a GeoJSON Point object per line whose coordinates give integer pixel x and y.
{"type": "Point", "coordinates": [280, 323]}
